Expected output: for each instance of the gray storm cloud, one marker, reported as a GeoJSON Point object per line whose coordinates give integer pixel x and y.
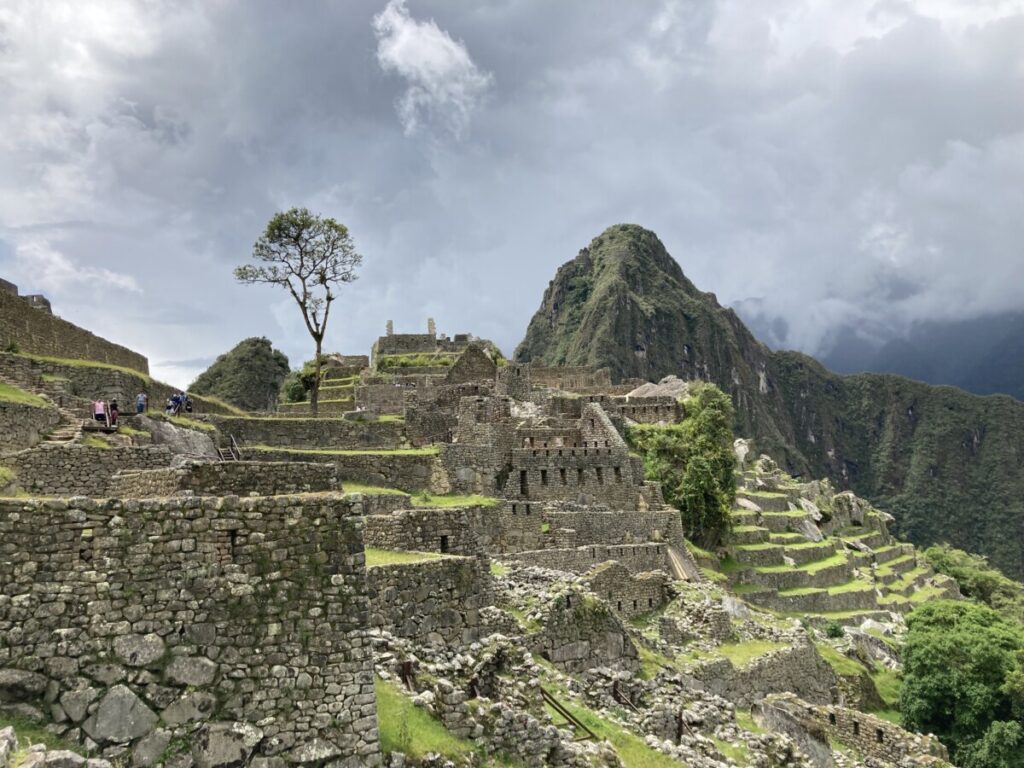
{"type": "Point", "coordinates": [825, 165]}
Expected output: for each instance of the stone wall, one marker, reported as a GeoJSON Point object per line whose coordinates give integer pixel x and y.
{"type": "Point", "coordinates": [228, 628]}
{"type": "Point", "coordinates": [569, 377]}
{"type": "Point", "coordinates": [874, 737]}
{"type": "Point", "coordinates": [627, 593]}
{"type": "Point", "coordinates": [79, 470]}
{"type": "Point", "coordinates": [230, 478]}
{"type": "Point", "coordinates": [458, 530]}
{"type": "Point", "coordinates": [38, 332]}
{"type": "Point", "coordinates": [799, 669]}
{"type": "Point", "coordinates": [382, 398]}
{"type": "Point", "coordinates": [72, 385]}
{"type": "Point", "coordinates": [435, 601]}
{"type": "Point", "coordinates": [337, 434]}
{"type": "Point", "coordinates": [405, 471]}
{"type": "Point", "coordinates": [598, 527]}
{"type": "Point", "coordinates": [22, 426]}
{"type": "Point", "coordinates": [636, 558]}
{"type": "Point", "coordinates": [815, 727]}
{"type": "Point", "coordinates": [581, 632]}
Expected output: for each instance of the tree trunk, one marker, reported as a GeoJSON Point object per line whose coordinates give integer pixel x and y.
{"type": "Point", "coordinates": [314, 391]}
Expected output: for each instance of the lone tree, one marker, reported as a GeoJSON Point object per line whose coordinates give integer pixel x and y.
{"type": "Point", "coordinates": [311, 256]}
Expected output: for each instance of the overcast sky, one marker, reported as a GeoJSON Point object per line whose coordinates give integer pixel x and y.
{"type": "Point", "coordinates": [850, 162]}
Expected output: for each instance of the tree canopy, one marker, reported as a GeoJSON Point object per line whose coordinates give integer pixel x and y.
{"type": "Point", "coordinates": [962, 678]}
{"type": "Point", "coordinates": [311, 257]}
{"type": "Point", "coordinates": [694, 462]}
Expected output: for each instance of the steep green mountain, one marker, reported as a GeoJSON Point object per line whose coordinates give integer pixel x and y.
{"type": "Point", "coordinates": [949, 465]}
{"type": "Point", "coordinates": [249, 376]}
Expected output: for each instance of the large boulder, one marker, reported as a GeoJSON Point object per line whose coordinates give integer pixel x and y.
{"type": "Point", "coordinates": [180, 440]}
{"type": "Point", "coordinates": [225, 745]}
{"type": "Point", "coordinates": [18, 685]}
{"type": "Point", "coordinates": [139, 650]}
{"type": "Point", "coordinates": [120, 718]}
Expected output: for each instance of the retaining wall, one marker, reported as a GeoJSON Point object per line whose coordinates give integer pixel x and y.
{"type": "Point", "coordinates": [228, 628]}
{"type": "Point", "coordinates": [79, 470]}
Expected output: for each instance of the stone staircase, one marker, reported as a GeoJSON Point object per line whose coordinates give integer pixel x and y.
{"type": "Point", "coordinates": [68, 429]}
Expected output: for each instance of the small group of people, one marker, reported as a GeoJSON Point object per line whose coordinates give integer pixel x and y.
{"type": "Point", "coordinates": [179, 402]}
{"type": "Point", "coordinates": [105, 413]}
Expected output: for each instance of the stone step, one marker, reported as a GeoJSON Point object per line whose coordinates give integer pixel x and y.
{"type": "Point", "coordinates": [810, 551]}
{"type": "Point", "coordinates": [885, 554]}
{"type": "Point", "coordinates": [769, 502]}
{"type": "Point", "coordinates": [812, 600]}
{"type": "Point", "coordinates": [783, 522]}
{"type": "Point", "coordinates": [795, 578]}
{"type": "Point", "coordinates": [749, 534]}
{"type": "Point", "coordinates": [744, 517]}
{"type": "Point", "coordinates": [758, 554]}
{"type": "Point", "coordinates": [869, 538]}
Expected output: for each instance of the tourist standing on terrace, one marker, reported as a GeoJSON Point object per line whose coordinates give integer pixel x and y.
{"type": "Point", "coordinates": [141, 402]}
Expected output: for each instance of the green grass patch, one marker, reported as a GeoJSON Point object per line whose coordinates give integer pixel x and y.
{"type": "Point", "coordinates": [888, 682]}
{"type": "Point", "coordinates": [891, 715]}
{"type": "Point", "coordinates": [741, 654]}
{"type": "Point", "coordinates": [652, 662]}
{"type": "Point", "coordinates": [840, 663]}
{"type": "Point", "coordinates": [416, 360]}
{"type": "Point", "coordinates": [7, 476]}
{"type": "Point", "coordinates": [746, 721]}
{"type": "Point", "coordinates": [631, 749]}
{"type": "Point", "coordinates": [12, 394]}
{"type": "Point", "coordinates": [391, 418]}
{"type": "Point", "coordinates": [124, 429]}
{"type": "Point", "coordinates": [30, 733]}
{"type": "Point", "coordinates": [74, 363]}
{"type": "Point", "coordinates": [453, 500]}
{"type": "Point", "coordinates": [409, 729]}
{"type": "Point", "coordinates": [50, 378]}
{"type": "Point", "coordinates": [372, 490]}
{"type": "Point", "coordinates": [378, 557]}
{"type": "Point", "coordinates": [91, 441]}
{"type": "Point", "coordinates": [497, 569]}
{"type": "Point", "coordinates": [739, 754]}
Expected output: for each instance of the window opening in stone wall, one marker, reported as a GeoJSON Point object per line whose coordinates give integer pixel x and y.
{"type": "Point", "coordinates": [856, 728]}
{"type": "Point", "coordinates": [233, 543]}
{"type": "Point", "coordinates": [879, 736]}
{"type": "Point", "coordinates": [561, 475]}
{"type": "Point", "coordinates": [513, 509]}
{"type": "Point", "coordinates": [543, 477]}
{"type": "Point", "coordinates": [523, 487]}
{"type": "Point", "coordinates": [527, 509]}
{"type": "Point", "coordinates": [600, 476]}
{"type": "Point", "coordinates": [444, 543]}
{"type": "Point", "coordinates": [618, 474]}
{"type": "Point", "coordinates": [592, 424]}
{"type": "Point", "coordinates": [650, 602]}
{"type": "Point", "coordinates": [579, 477]}
{"type": "Point", "coordinates": [831, 718]}
{"type": "Point", "coordinates": [85, 544]}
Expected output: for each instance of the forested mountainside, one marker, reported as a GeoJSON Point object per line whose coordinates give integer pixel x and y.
{"type": "Point", "coordinates": [948, 464]}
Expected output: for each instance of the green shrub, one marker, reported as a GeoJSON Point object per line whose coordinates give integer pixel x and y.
{"type": "Point", "coordinates": [961, 673]}
{"type": "Point", "coordinates": [693, 460]}
{"type": "Point", "coordinates": [834, 630]}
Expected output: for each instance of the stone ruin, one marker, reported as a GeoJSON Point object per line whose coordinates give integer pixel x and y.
{"type": "Point", "coordinates": [472, 535]}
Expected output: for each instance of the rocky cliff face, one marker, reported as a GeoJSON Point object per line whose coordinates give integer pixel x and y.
{"type": "Point", "coordinates": [949, 465]}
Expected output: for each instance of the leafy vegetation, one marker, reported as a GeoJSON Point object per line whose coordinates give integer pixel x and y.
{"type": "Point", "coordinates": [311, 257]}
{"type": "Point", "coordinates": [963, 678]}
{"type": "Point", "coordinates": [978, 580]}
{"type": "Point", "coordinates": [249, 376]}
{"type": "Point", "coordinates": [693, 461]}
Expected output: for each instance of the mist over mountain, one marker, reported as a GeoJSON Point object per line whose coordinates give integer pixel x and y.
{"type": "Point", "coordinates": [983, 355]}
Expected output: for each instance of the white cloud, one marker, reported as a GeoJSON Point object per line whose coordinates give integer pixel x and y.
{"type": "Point", "coordinates": [444, 84]}
{"type": "Point", "coordinates": [50, 271]}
